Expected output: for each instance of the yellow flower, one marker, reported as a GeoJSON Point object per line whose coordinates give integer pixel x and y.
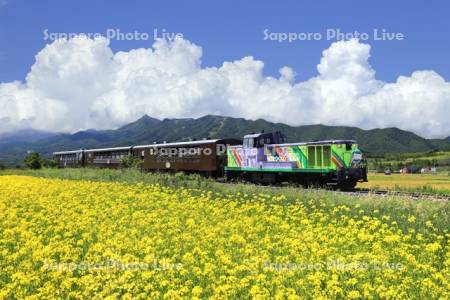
{"type": "Point", "coordinates": [354, 295]}
{"type": "Point", "coordinates": [85, 239]}
{"type": "Point", "coordinates": [197, 291]}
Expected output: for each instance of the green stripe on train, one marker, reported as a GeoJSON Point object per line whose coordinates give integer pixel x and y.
{"type": "Point", "coordinates": [280, 170]}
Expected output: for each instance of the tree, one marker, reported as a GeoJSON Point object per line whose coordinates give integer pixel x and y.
{"type": "Point", "coordinates": [33, 161]}
{"type": "Point", "coordinates": [2, 166]}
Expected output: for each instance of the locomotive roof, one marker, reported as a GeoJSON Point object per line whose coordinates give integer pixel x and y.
{"type": "Point", "coordinates": [327, 142]}
{"type": "Point", "coordinates": [255, 135]}
{"type": "Point", "coordinates": [199, 142]}
{"type": "Point", "coordinates": [322, 142]}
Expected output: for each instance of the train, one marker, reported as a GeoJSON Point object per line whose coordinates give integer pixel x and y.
{"type": "Point", "coordinates": [264, 158]}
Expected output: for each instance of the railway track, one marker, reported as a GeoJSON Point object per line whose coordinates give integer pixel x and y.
{"type": "Point", "coordinates": [386, 193]}
{"type": "Point", "coordinates": [369, 192]}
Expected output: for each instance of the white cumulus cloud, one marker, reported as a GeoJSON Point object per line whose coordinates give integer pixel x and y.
{"type": "Point", "coordinates": [80, 83]}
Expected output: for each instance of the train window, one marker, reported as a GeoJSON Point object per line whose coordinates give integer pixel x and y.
{"type": "Point", "coordinates": [245, 143]}
{"type": "Point", "coordinates": [264, 141]}
{"type": "Point", "coordinates": [249, 143]}
{"type": "Point", "coordinates": [348, 146]}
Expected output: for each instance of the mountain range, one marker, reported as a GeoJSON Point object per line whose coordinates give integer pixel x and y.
{"type": "Point", "coordinates": [146, 130]}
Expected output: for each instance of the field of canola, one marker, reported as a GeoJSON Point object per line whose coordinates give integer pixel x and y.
{"type": "Point", "coordinates": [79, 239]}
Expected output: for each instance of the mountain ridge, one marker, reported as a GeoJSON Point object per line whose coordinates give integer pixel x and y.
{"type": "Point", "coordinates": [147, 130]}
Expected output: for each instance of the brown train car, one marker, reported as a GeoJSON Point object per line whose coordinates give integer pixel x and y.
{"type": "Point", "coordinates": [106, 157]}
{"type": "Point", "coordinates": [69, 158]}
{"type": "Point", "coordinates": [203, 156]}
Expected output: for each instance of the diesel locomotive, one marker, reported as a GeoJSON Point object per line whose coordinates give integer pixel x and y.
{"type": "Point", "coordinates": [262, 158]}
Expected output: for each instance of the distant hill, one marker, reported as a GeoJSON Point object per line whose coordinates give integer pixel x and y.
{"type": "Point", "coordinates": [147, 130]}
{"type": "Point", "coordinates": [28, 135]}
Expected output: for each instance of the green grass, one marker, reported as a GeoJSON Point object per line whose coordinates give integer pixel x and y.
{"type": "Point", "coordinates": [438, 184]}
{"type": "Point", "coordinates": [395, 157]}
{"type": "Point", "coordinates": [394, 209]}
{"type": "Point", "coordinates": [440, 159]}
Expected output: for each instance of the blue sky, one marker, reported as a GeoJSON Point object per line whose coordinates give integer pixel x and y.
{"type": "Point", "coordinates": [230, 30]}
{"type": "Point", "coordinates": [228, 62]}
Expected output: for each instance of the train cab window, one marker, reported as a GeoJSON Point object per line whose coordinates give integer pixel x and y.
{"type": "Point", "coordinates": [348, 146]}
{"type": "Point", "coordinates": [249, 143]}
{"type": "Point", "coordinates": [264, 141]}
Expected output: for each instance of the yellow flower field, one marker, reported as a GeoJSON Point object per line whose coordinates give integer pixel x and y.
{"type": "Point", "coordinates": [82, 239]}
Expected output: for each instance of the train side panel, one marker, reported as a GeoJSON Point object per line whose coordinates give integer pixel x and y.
{"type": "Point", "coordinates": [69, 159]}
{"type": "Point", "coordinates": [198, 158]}
{"type": "Point", "coordinates": [107, 157]}
{"type": "Point", "coordinates": [207, 157]}
{"type": "Point", "coordinates": [330, 162]}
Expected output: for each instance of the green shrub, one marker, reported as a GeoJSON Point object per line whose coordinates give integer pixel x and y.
{"type": "Point", "coordinates": [48, 163]}
{"type": "Point", "coordinates": [130, 161]}
{"type": "Point", "coordinates": [33, 161]}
